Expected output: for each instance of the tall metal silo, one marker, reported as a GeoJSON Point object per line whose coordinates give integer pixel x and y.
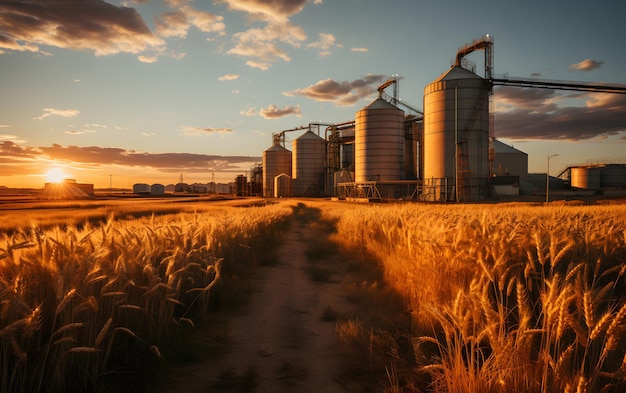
{"type": "Point", "coordinates": [456, 136]}
{"type": "Point", "coordinates": [276, 160]}
{"type": "Point", "coordinates": [309, 165]}
{"type": "Point", "coordinates": [379, 143]}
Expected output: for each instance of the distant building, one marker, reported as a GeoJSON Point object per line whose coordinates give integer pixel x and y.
{"type": "Point", "coordinates": [508, 161]}
{"type": "Point", "coordinates": [68, 189]}
{"type": "Point", "coordinates": [141, 188]}
{"type": "Point", "coordinates": [157, 189]}
{"type": "Point", "coordinates": [199, 189]}
{"type": "Point", "coordinates": [222, 188]}
{"type": "Point", "coordinates": [182, 187]}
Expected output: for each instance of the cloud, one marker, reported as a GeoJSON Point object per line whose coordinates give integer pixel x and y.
{"type": "Point", "coordinates": [343, 93]}
{"type": "Point", "coordinates": [228, 77]}
{"type": "Point", "coordinates": [12, 151]}
{"type": "Point", "coordinates": [95, 155]}
{"type": "Point", "coordinates": [248, 111]}
{"type": "Point", "coordinates": [80, 132]}
{"type": "Point", "coordinates": [57, 112]}
{"type": "Point", "coordinates": [88, 24]}
{"type": "Point", "coordinates": [362, 50]}
{"type": "Point", "coordinates": [586, 65]}
{"type": "Point", "coordinates": [324, 43]}
{"type": "Point", "coordinates": [545, 114]}
{"type": "Point", "coordinates": [4, 125]}
{"type": "Point", "coordinates": [11, 138]}
{"type": "Point", "coordinates": [195, 131]}
{"type": "Point", "coordinates": [267, 10]}
{"type": "Point", "coordinates": [21, 160]}
{"type": "Point", "coordinates": [274, 112]}
{"type": "Point", "coordinates": [262, 65]}
{"type": "Point", "coordinates": [263, 45]}
{"type": "Point", "coordinates": [147, 59]}
{"type": "Point", "coordinates": [177, 23]}
{"type": "Point", "coordinates": [205, 21]}
{"type": "Point", "coordinates": [172, 24]}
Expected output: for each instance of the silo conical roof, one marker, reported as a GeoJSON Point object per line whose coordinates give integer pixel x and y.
{"type": "Point", "coordinates": [379, 103]}
{"type": "Point", "coordinates": [308, 135]}
{"type": "Point", "coordinates": [457, 72]}
{"type": "Point", "coordinates": [276, 148]}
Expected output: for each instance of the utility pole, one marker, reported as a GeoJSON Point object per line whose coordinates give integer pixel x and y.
{"type": "Point", "coordinates": [548, 178]}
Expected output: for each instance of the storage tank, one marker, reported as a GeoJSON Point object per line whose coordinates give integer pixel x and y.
{"type": "Point", "coordinates": [241, 185]}
{"type": "Point", "coordinates": [309, 165]}
{"type": "Point", "coordinates": [157, 189]}
{"type": "Point", "coordinates": [276, 160]}
{"type": "Point", "coordinates": [587, 178]}
{"type": "Point", "coordinates": [379, 143]}
{"type": "Point", "coordinates": [141, 188]}
{"type": "Point", "coordinates": [282, 186]}
{"type": "Point", "coordinates": [456, 110]}
{"type": "Point", "coordinates": [613, 175]}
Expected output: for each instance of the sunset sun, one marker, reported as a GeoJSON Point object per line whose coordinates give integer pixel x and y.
{"type": "Point", "coordinates": [55, 175]}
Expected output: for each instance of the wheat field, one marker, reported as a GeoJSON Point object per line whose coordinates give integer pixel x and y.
{"type": "Point", "coordinates": [504, 298]}
{"type": "Point", "coordinates": [83, 306]}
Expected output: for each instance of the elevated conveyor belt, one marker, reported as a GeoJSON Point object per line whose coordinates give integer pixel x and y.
{"type": "Point", "coordinates": [560, 85]}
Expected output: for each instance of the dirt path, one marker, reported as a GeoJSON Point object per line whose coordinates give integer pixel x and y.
{"type": "Point", "coordinates": [280, 340]}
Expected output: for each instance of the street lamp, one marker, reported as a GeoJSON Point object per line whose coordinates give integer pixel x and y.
{"type": "Point", "coordinates": [548, 178]}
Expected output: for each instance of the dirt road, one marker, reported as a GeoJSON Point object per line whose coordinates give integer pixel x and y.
{"type": "Point", "coordinates": [280, 340]}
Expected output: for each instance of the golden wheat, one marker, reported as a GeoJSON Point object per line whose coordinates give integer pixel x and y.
{"type": "Point", "coordinates": [526, 298]}
{"type": "Point", "coordinates": [67, 293]}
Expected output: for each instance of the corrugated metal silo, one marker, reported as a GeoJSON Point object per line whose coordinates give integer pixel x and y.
{"type": "Point", "coordinates": [456, 118]}
{"type": "Point", "coordinates": [379, 143]}
{"type": "Point", "coordinates": [309, 165]}
{"type": "Point", "coordinates": [587, 178]}
{"type": "Point", "coordinates": [276, 160]}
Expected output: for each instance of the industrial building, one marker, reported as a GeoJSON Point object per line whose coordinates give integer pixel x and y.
{"type": "Point", "coordinates": [67, 189]}
{"type": "Point", "coordinates": [447, 152]}
{"type": "Point", "coordinates": [604, 179]}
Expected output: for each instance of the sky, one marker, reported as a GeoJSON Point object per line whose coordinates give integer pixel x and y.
{"type": "Point", "coordinates": [148, 91]}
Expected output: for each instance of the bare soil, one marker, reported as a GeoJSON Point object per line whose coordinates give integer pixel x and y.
{"type": "Point", "coordinates": [282, 339]}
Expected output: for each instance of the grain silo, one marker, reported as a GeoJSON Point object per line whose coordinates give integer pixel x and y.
{"type": "Point", "coordinates": [309, 165]}
{"type": "Point", "coordinates": [456, 136]}
{"type": "Point", "coordinates": [379, 143]}
{"type": "Point", "coordinates": [276, 160]}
